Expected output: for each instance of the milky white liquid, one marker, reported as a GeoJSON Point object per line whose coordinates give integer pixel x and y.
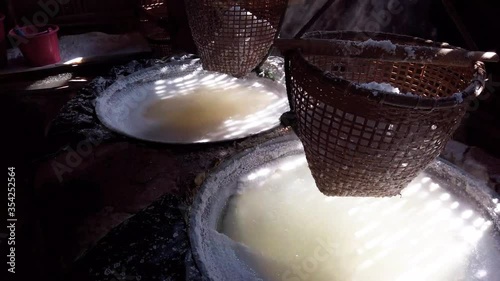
{"type": "Point", "coordinates": [202, 108]}
{"type": "Point", "coordinates": [426, 234]}
{"type": "Point", "coordinates": [197, 114]}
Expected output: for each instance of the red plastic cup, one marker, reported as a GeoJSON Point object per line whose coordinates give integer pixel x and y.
{"type": "Point", "coordinates": [3, 43]}
{"type": "Point", "coordinates": [39, 49]}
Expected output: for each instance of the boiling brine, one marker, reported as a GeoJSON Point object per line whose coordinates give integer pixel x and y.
{"type": "Point", "coordinates": [207, 110]}
{"type": "Point", "coordinates": [425, 234]}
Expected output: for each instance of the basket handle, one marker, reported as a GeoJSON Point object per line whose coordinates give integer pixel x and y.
{"type": "Point", "coordinates": [386, 51]}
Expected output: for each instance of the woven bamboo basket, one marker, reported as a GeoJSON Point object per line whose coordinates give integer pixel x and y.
{"type": "Point", "coordinates": [233, 36]}
{"type": "Point", "coordinates": [360, 142]}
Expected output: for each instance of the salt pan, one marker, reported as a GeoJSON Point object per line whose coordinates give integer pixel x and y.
{"type": "Point", "coordinates": [280, 227]}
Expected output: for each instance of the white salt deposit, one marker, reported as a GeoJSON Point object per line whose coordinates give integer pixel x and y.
{"type": "Point", "coordinates": [232, 20]}
{"type": "Point", "coordinates": [382, 87]}
{"type": "Point", "coordinates": [357, 47]}
{"type": "Point", "coordinates": [386, 45]}
{"type": "Point", "coordinates": [293, 232]}
{"type": "Point", "coordinates": [50, 82]}
{"type": "Point", "coordinates": [96, 44]}
{"type": "Point", "coordinates": [410, 52]}
{"type": "Point", "coordinates": [385, 87]}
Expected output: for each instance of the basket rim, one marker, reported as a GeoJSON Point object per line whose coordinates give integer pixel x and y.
{"type": "Point", "coordinates": [476, 85]}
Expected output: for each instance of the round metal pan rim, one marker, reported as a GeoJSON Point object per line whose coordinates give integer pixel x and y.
{"type": "Point", "coordinates": [480, 195]}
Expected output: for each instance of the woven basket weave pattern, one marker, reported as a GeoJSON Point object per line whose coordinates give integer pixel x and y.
{"type": "Point", "coordinates": [357, 146]}
{"type": "Point", "coordinates": [234, 36]}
